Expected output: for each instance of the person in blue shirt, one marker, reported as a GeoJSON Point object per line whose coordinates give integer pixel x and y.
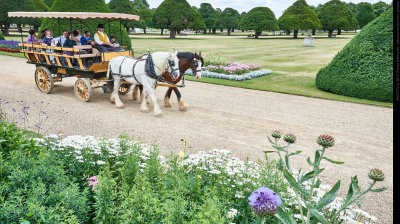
{"type": "Point", "coordinates": [85, 39]}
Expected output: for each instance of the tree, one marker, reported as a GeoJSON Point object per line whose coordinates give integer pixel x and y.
{"type": "Point", "coordinates": [121, 6]}
{"type": "Point", "coordinates": [111, 28]}
{"type": "Point", "coordinates": [49, 3]}
{"type": "Point", "coordinates": [209, 15]}
{"type": "Point", "coordinates": [365, 14]}
{"type": "Point", "coordinates": [218, 21]}
{"type": "Point", "coordinates": [145, 18]}
{"type": "Point", "coordinates": [259, 19]}
{"type": "Point", "coordinates": [380, 7]}
{"type": "Point", "coordinates": [352, 7]}
{"type": "Point", "coordinates": [13, 6]}
{"type": "Point", "coordinates": [229, 19]}
{"type": "Point", "coordinates": [40, 6]}
{"type": "Point", "coordinates": [335, 15]}
{"type": "Point", "coordinates": [299, 16]}
{"type": "Point", "coordinates": [138, 4]}
{"type": "Point", "coordinates": [364, 67]}
{"type": "Point", "coordinates": [177, 15]}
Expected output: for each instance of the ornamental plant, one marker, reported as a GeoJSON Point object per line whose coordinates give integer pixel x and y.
{"type": "Point", "coordinates": [312, 211]}
{"type": "Point", "coordinates": [264, 202]}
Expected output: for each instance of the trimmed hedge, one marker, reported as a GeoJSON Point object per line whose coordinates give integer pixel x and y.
{"type": "Point", "coordinates": [86, 6]}
{"type": "Point", "coordinates": [1, 36]}
{"type": "Point", "coordinates": [364, 68]}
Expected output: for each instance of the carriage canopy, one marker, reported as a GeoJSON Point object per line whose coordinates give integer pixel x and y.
{"type": "Point", "coordinates": [74, 15]}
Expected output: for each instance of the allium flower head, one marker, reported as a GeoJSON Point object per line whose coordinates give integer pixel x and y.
{"type": "Point", "coordinates": [325, 141]}
{"type": "Point", "coordinates": [289, 138]}
{"type": "Point", "coordinates": [276, 134]}
{"type": "Point", "coordinates": [264, 201]}
{"type": "Point", "coordinates": [376, 174]}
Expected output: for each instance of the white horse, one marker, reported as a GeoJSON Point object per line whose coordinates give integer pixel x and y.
{"type": "Point", "coordinates": [134, 71]}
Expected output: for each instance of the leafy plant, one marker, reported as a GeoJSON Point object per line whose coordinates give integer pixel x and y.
{"type": "Point", "coordinates": [312, 211]}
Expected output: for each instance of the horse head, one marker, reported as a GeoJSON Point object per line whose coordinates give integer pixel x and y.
{"type": "Point", "coordinates": [173, 65]}
{"type": "Point", "coordinates": [197, 64]}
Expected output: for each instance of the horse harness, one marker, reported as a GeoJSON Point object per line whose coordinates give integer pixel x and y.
{"type": "Point", "coordinates": [149, 69]}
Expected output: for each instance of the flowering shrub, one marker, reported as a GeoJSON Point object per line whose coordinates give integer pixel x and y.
{"type": "Point", "coordinates": [214, 59]}
{"type": "Point", "coordinates": [125, 181]}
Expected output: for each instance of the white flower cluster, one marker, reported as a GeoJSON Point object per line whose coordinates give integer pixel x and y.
{"type": "Point", "coordinates": [349, 216]}
{"type": "Point", "coordinates": [232, 213]}
{"type": "Point", "coordinates": [246, 76]}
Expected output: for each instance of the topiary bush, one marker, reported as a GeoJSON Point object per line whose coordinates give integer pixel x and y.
{"type": "Point", "coordinates": [364, 68]}
{"type": "Point", "coordinates": [112, 28]}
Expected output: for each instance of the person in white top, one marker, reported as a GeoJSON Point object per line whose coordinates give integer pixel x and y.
{"type": "Point", "coordinates": [102, 41]}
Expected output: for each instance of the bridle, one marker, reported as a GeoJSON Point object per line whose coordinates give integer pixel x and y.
{"type": "Point", "coordinates": [171, 64]}
{"type": "Point", "coordinates": [194, 66]}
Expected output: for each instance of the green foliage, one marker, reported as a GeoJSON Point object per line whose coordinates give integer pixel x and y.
{"type": "Point", "coordinates": [33, 186]}
{"type": "Point", "coordinates": [208, 14]}
{"type": "Point", "coordinates": [380, 7]}
{"type": "Point", "coordinates": [138, 4]}
{"type": "Point", "coordinates": [177, 15]}
{"type": "Point", "coordinates": [112, 28]}
{"type": "Point", "coordinates": [299, 16]}
{"type": "Point", "coordinates": [365, 13]}
{"type": "Point", "coordinates": [121, 6]}
{"type": "Point", "coordinates": [40, 6]}
{"type": "Point", "coordinates": [364, 68]}
{"type": "Point", "coordinates": [105, 196]}
{"type": "Point", "coordinates": [259, 19]}
{"type": "Point", "coordinates": [13, 6]}
{"type": "Point", "coordinates": [336, 15]}
{"type": "Point", "coordinates": [1, 36]}
{"type": "Point", "coordinates": [49, 3]}
{"type": "Point", "coordinates": [228, 19]}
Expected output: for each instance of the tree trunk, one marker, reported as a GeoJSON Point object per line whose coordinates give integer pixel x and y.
{"type": "Point", "coordinates": [162, 31]}
{"type": "Point", "coordinates": [144, 30]}
{"type": "Point", "coordinates": [179, 32]}
{"type": "Point", "coordinates": [330, 33]}
{"type": "Point", "coordinates": [295, 32]}
{"type": "Point", "coordinates": [287, 32]}
{"type": "Point", "coordinates": [257, 34]}
{"type": "Point", "coordinates": [313, 32]}
{"type": "Point", "coordinates": [205, 31]}
{"type": "Point", "coordinates": [233, 30]}
{"type": "Point", "coordinates": [339, 32]}
{"type": "Point", "coordinates": [36, 27]}
{"type": "Point", "coordinates": [242, 31]}
{"type": "Point", "coordinates": [214, 31]}
{"type": "Point", "coordinates": [209, 30]}
{"type": "Point", "coordinates": [222, 30]}
{"type": "Point", "coordinates": [229, 31]}
{"type": "Point", "coordinates": [172, 33]}
{"type": "Point", "coordinates": [127, 29]}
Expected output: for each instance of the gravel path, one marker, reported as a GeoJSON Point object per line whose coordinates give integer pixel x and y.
{"type": "Point", "coordinates": [235, 119]}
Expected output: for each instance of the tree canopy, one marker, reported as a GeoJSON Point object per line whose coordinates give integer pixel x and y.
{"type": "Point", "coordinates": [364, 68]}
{"type": "Point", "coordinates": [13, 6]}
{"type": "Point", "coordinates": [336, 15]}
{"type": "Point", "coordinates": [229, 19]}
{"type": "Point", "coordinates": [138, 4]}
{"type": "Point", "coordinates": [259, 19]}
{"type": "Point", "coordinates": [299, 16]}
{"type": "Point", "coordinates": [177, 15]}
{"type": "Point", "coordinates": [111, 28]}
{"type": "Point", "coordinates": [121, 6]}
{"type": "Point", "coordinates": [380, 7]}
{"type": "Point", "coordinates": [208, 14]}
{"type": "Point", "coordinates": [364, 14]}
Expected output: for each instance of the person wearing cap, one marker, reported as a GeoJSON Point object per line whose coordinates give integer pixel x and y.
{"type": "Point", "coordinates": [102, 41]}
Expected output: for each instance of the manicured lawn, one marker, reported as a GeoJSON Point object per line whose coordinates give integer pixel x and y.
{"type": "Point", "coordinates": [20, 55]}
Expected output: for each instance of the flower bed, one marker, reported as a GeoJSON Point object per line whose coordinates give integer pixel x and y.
{"type": "Point", "coordinates": [245, 76]}
{"type": "Point", "coordinates": [9, 46]}
{"type": "Point", "coordinates": [217, 67]}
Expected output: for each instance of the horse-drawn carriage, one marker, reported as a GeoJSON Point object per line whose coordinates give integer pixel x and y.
{"type": "Point", "coordinates": [95, 70]}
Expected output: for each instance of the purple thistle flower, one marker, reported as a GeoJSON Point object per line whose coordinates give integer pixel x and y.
{"type": "Point", "coordinates": [264, 201]}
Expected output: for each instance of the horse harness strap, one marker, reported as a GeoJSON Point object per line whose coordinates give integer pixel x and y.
{"type": "Point", "coordinates": [133, 71]}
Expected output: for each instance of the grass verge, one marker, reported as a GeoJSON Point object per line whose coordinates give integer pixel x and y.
{"type": "Point", "coordinates": [295, 85]}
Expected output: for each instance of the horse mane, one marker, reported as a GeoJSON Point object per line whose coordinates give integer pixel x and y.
{"type": "Point", "coordinates": [156, 56]}
{"type": "Point", "coordinates": [189, 56]}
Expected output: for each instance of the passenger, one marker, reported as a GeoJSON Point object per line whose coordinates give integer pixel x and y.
{"type": "Point", "coordinates": [59, 41]}
{"type": "Point", "coordinates": [70, 43]}
{"type": "Point", "coordinates": [85, 39]}
{"type": "Point", "coordinates": [42, 35]}
{"type": "Point", "coordinates": [47, 42]}
{"type": "Point", "coordinates": [102, 42]}
{"type": "Point", "coordinates": [31, 38]}
{"type": "Point", "coordinates": [76, 37]}
{"type": "Point", "coordinates": [113, 42]}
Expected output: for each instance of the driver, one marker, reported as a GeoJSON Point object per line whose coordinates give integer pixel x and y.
{"type": "Point", "coordinates": [102, 41]}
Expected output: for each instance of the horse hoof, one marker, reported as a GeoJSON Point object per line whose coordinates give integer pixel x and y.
{"type": "Point", "coordinates": [167, 105]}
{"type": "Point", "coordinates": [158, 113]}
{"type": "Point", "coordinates": [145, 110]}
{"type": "Point", "coordinates": [182, 106]}
{"type": "Point", "coordinates": [112, 100]}
{"type": "Point", "coordinates": [119, 105]}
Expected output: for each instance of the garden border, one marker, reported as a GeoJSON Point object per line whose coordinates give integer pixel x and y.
{"type": "Point", "coordinates": [243, 77]}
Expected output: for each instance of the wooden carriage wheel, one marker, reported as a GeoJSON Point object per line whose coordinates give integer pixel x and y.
{"type": "Point", "coordinates": [83, 89]}
{"type": "Point", "coordinates": [44, 80]}
{"type": "Point", "coordinates": [124, 88]}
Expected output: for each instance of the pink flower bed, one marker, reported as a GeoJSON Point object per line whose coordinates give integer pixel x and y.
{"type": "Point", "coordinates": [232, 68]}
